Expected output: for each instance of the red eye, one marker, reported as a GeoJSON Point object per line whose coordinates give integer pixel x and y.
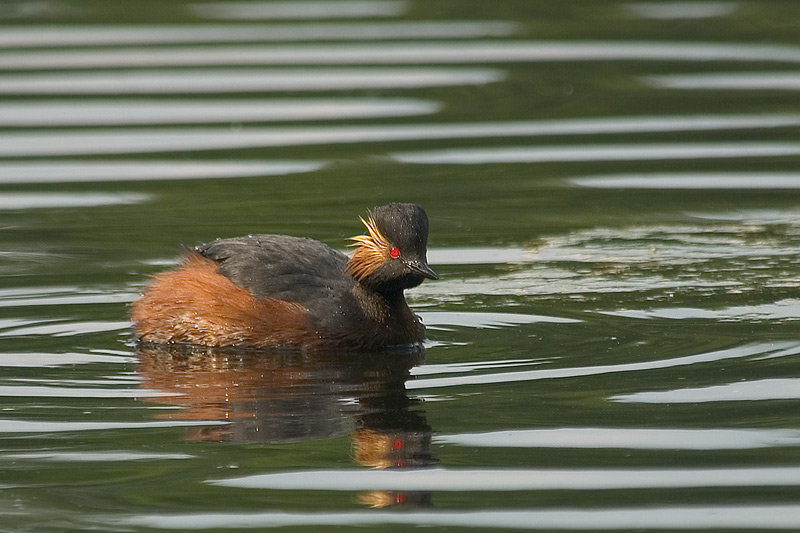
{"type": "Point", "coordinates": [394, 252]}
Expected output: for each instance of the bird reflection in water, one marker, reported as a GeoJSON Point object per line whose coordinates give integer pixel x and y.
{"type": "Point", "coordinates": [290, 396]}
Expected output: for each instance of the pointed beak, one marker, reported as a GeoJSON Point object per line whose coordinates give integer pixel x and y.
{"type": "Point", "coordinates": [423, 269]}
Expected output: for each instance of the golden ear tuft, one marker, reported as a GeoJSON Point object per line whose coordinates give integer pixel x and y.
{"type": "Point", "coordinates": [370, 251]}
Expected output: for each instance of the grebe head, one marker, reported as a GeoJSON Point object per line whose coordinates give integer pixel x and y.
{"type": "Point", "coordinates": [392, 254]}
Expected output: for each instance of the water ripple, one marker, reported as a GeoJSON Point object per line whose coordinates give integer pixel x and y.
{"type": "Point", "coordinates": [80, 35]}
{"type": "Point", "coordinates": [95, 457]}
{"type": "Point", "coordinates": [729, 255]}
{"type": "Point", "coordinates": [18, 200]}
{"type": "Point", "coordinates": [486, 320]}
{"type": "Point", "coordinates": [628, 438]}
{"type": "Point", "coordinates": [433, 52]}
{"type": "Point", "coordinates": [677, 244]}
{"type": "Point", "coordinates": [597, 152]}
{"type": "Point", "coordinates": [307, 9]}
{"type": "Point", "coordinates": [573, 372]}
{"type": "Point", "coordinates": [119, 112]}
{"type": "Point", "coordinates": [73, 171]}
{"type": "Point", "coordinates": [787, 309]}
{"type": "Point", "coordinates": [696, 517]}
{"type": "Point", "coordinates": [472, 366]}
{"type": "Point", "coordinates": [8, 425]}
{"type": "Point", "coordinates": [31, 296]}
{"type": "Point", "coordinates": [681, 10]}
{"type": "Point", "coordinates": [693, 180]}
{"type": "Point", "coordinates": [49, 360]}
{"type": "Point", "coordinates": [202, 81]}
{"type": "Point", "coordinates": [462, 480]}
{"type": "Point", "coordinates": [738, 81]}
{"type": "Point", "coordinates": [121, 140]}
{"type": "Point", "coordinates": [741, 391]}
{"type": "Point", "coordinates": [44, 391]}
{"type": "Point", "coordinates": [64, 329]}
{"type": "Point", "coordinates": [476, 256]}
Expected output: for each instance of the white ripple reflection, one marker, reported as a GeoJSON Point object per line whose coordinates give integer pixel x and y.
{"type": "Point", "coordinates": [49, 360]}
{"type": "Point", "coordinates": [95, 457]}
{"type": "Point", "coordinates": [203, 81]}
{"type": "Point", "coordinates": [609, 152]}
{"type": "Point", "coordinates": [694, 180]}
{"type": "Point", "coordinates": [11, 201]}
{"type": "Point", "coordinates": [694, 518]}
{"type": "Point", "coordinates": [110, 171]}
{"type": "Point", "coordinates": [472, 366]}
{"type": "Point", "coordinates": [119, 34]}
{"type": "Point", "coordinates": [741, 391]}
{"type": "Point", "coordinates": [628, 438]}
{"type": "Point", "coordinates": [729, 255]}
{"type": "Point", "coordinates": [476, 256]}
{"type": "Point", "coordinates": [118, 112]}
{"type": "Point", "coordinates": [44, 391]}
{"type": "Point", "coordinates": [752, 217]}
{"type": "Point", "coordinates": [67, 329]}
{"type": "Point", "coordinates": [739, 81]}
{"type": "Point", "coordinates": [502, 480]}
{"type": "Point", "coordinates": [439, 319]}
{"type": "Point", "coordinates": [420, 52]}
{"type": "Point", "coordinates": [120, 140]}
{"type": "Point", "coordinates": [772, 349]}
{"type": "Point", "coordinates": [787, 309]}
{"type": "Point", "coordinates": [669, 244]}
{"type": "Point", "coordinates": [305, 9]}
{"type": "Point", "coordinates": [681, 9]}
{"type": "Point", "coordinates": [37, 296]}
{"type": "Point", "coordinates": [9, 425]}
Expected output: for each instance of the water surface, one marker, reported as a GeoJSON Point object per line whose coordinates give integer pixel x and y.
{"type": "Point", "coordinates": [615, 219]}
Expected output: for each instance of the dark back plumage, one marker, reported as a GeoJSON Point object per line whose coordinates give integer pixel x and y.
{"type": "Point", "coordinates": [280, 266]}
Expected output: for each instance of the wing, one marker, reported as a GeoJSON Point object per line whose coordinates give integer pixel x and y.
{"type": "Point", "coordinates": [279, 266]}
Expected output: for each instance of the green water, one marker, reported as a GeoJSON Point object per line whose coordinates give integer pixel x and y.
{"type": "Point", "coordinates": [614, 198]}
